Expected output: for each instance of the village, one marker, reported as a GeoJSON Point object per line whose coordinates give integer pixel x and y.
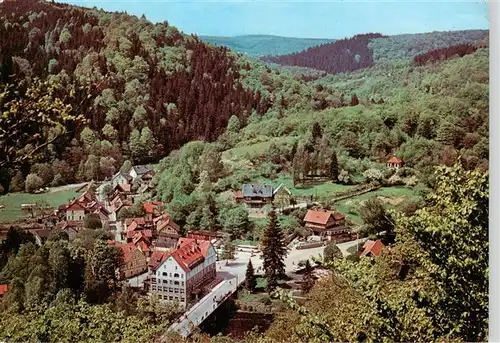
{"type": "Point", "coordinates": [184, 266]}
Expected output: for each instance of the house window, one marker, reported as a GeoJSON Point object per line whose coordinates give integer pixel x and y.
{"type": "Point", "coordinates": [153, 288]}
{"type": "Point", "coordinates": [170, 274]}
{"type": "Point", "coordinates": [176, 275]}
{"type": "Point", "coordinates": [183, 299]}
{"type": "Point", "coordinates": [164, 274]}
{"type": "Point", "coordinates": [182, 283]}
{"type": "Point", "coordinates": [165, 281]}
{"type": "Point", "coordinates": [170, 298]}
{"type": "Point", "coordinates": [176, 290]}
{"type": "Point", "coordinates": [176, 282]}
{"type": "Point", "coordinates": [165, 289]}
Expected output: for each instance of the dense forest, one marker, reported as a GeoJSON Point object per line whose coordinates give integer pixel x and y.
{"type": "Point", "coordinates": [363, 51]}
{"type": "Point", "coordinates": [343, 55]}
{"type": "Point", "coordinates": [129, 90]}
{"type": "Point", "coordinates": [444, 54]}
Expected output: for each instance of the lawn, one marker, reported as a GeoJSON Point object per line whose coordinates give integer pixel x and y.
{"type": "Point", "coordinates": [349, 207]}
{"type": "Point", "coordinates": [13, 201]}
{"type": "Point", "coordinates": [255, 149]}
{"type": "Point", "coordinates": [320, 190]}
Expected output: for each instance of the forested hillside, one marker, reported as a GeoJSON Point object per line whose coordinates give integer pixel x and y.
{"type": "Point", "coordinates": [344, 55]}
{"type": "Point", "coordinates": [265, 45]}
{"type": "Point", "coordinates": [363, 51]}
{"type": "Point", "coordinates": [110, 87]}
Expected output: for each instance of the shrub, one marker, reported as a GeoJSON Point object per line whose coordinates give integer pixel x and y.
{"type": "Point", "coordinates": [32, 183]}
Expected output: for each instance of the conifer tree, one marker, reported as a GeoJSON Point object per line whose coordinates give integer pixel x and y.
{"type": "Point", "coordinates": [307, 278]}
{"type": "Point", "coordinates": [273, 251]}
{"type": "Point", "coordinates": [250, 280]}
{"type": "Point", "coordinates": [334, 168]}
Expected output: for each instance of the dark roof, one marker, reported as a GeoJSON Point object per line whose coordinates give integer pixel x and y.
{"type": "Point", "coordinates": [142, 169]}
{"type": "Point", "coordinates": [257, 190]}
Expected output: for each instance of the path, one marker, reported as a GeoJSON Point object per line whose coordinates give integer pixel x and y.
{"type": "Point", "coordinates": [66, 187]}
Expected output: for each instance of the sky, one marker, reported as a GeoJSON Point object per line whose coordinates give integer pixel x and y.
{"type": "Point", "coordinates": [308, 19]}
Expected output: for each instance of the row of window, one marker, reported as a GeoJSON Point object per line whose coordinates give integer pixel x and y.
{"type": "Point", "coordinates": [166, 289]}
{"type": "Point", "coordinates": [176, 283]}
{"type": "Point", "coordinates": [166, 274]}
{"type": "Point", "coordinates": [171, 298]}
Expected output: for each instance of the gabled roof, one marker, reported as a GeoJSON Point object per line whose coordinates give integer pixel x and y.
{"type": "Point", "coordinates": [147, 233]}
{"type": "Point", "coordinates": [125, 175]}
{"type": "Point", "coordinates": [190, 253]}
{"type": "Point", "coordinates": [142, 169]}
{"type": "Point", "coordinates": [127, 249]}
{"type": "Point", "coordinates": [373, 247]}
{"type": "Point", "coordinates": [3, 289]}
{"type": "Point", "coordinates": [317, 217]}
{"type": "Point", "coordinates": [75, 207]}
{"type": "Point", "coordinates": [282, 186]}
{"type": "Point", "coordinates": [152, 207]}
{"type": "Point", "coordinates": [166, 221]}
{"type": "Point", "coordinates": [257, 190]}
{"type": "Point", "coordinates": [123, 187]}
{"type": "Point", "coordinates": [157, 258]}
{"type": "Point", "coordinates": [394, 159]}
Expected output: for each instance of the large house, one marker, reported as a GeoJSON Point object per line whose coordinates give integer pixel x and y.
{"type": "Point", "coordinates": [256, 195]}
{"type": "Point", "coordinates": [134, 261]}
{"type": "Point", "coordinates": [182, 273]}
{"type": "Point", "coordinates": [327, 224]}
{"type": "Point", "coordinates": [121, 179]}
{"type": "Point", "coordinates": [282, 196]}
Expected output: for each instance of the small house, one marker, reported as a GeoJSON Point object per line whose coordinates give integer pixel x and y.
{"type": "Point", "coordinates": [257, 195]}
{"type": "Point", "coordinates": [328, 225]}
{"type": "Point", "coordinates": [3, 290]}
{"type": "Point", "coordinates": [282, 196]}
{"type": "Point", "coordinates": [395, 163]}
{"type": "Point", "coordinates": [121, 179]}
{"type": "Point", "coordinates": [141, 172]}
{"type": "Point", "coordinates": [372, 248]}
{"type": "Point", "coordinates": [134, 261]}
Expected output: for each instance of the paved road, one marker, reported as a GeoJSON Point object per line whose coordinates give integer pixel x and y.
{"type": "Point", "coordinates": [233, 274]}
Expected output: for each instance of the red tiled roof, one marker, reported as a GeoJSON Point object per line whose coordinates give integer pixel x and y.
{"type": "Point", "coordinates": [75, 207]}
{"type": "Point", "coordinates": [127, 249]}
{"type": "Point", "coordinates": [394, 159]}
{"type": "Point", "coordinates": [317, 217]}
{"type": "Point", "coordinates": [321, 217]}
{"type": "Point", "coordinates": [3, 289]}
{"type": "Point", "coordinates": [152, 207]}
{"type": "Point", "coordinates": [157, 257]}
{"type": "Point", "coordinates": [161, 224]}
{"type": "Point", "coordinates": [374, 247]}
{"type": "Point", "coordinates": [188, 256]}
{"type": "Point", "coordinates": [147, 233]}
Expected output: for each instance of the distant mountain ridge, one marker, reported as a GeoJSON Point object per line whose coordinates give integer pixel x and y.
{"type": "Point", "coordinates": [265, 45]}
{"type": "Point", "coordinates": [366, 50]}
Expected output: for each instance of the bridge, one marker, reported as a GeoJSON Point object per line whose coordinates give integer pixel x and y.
{"type": "Point", "coordinates": [206, 306]}
{"type": "Point", "coordinates": [233, 275]}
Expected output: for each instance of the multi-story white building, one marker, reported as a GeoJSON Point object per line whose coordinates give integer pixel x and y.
{"type": "Point", "coordinates": [181, 274]}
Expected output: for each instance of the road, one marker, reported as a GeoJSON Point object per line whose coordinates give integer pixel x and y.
{"type": "Point", "coordinates": [233, 274]}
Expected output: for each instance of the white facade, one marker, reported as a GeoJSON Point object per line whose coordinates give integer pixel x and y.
{"type": "Point", "coordinates": [173, 283]}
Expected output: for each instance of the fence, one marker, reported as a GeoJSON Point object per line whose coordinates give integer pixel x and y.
{"type": "Point", "coordinates": [310, 245]}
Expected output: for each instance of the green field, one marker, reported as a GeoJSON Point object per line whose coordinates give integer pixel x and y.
{"type": "Point", "coordinates": [13, 202]}
{"type": "Point", "coordinates": [349, 206]}
{"type": "Point", "coordinates": [255, 149]}
{"type": "Point", "coordinates": [319, 190]}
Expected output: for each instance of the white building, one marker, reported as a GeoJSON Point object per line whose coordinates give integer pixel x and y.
{"type": "Point", "coordinates": [182, 274]}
